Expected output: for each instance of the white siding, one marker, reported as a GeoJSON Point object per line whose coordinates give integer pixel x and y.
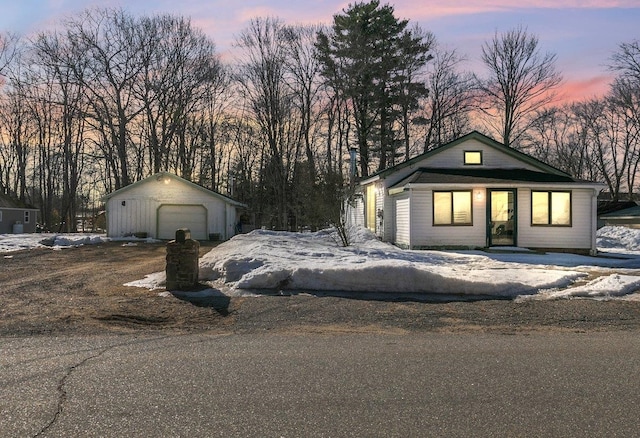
{"type": "Point", "coordinates": [424, 234]}
{"type": "Point", "coordinates": [491, 157]}
{"type": "Point", "coordinates": [143, 201]}
{"type": "Point", "coordinates": [577, 236]}
{"type": "Point", "coordinates": [402, 218]}
{"type": "Point", "coordinates": [453, 157]}
{"type": "Point", "coordinates": [127, 215]}
{"type": "Point", "coordinates": [355, 213]}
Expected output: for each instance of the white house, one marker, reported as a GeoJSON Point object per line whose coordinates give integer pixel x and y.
{"type": "Point", "coordinates": [473, 193]}
{"type": "Point", "coordinates": [163, 203]}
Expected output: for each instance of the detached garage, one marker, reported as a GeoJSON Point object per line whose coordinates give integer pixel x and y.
{"type": "Point", "coordinates": [162, 203]}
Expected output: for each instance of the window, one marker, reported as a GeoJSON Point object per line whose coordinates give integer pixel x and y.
{"type": "Point", "coordinates": [452, 208]}
{"type": "Point", "coordinates": [371, 207]}
{"type": "Point", "coordinates": [551, 208]}
{"type": "Point", "coordinates": [473, 157]}
{"type": "Point", "coordinates": [26, 216]}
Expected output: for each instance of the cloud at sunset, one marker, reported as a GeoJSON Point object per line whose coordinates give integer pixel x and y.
{"type": "Point", "coordinates": [583, 33]}
{"type": "Point", "coordinates": [584, 89]}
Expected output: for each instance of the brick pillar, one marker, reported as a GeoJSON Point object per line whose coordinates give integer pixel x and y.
{"type": "Point", "coordinates": [182, 261]}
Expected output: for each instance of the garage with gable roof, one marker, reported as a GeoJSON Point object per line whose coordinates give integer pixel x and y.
{"type": "Point", "coordinates": [159, 205]}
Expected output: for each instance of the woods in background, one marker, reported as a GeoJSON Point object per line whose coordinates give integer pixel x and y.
{"type": "Point", "coordinates": [110, 98]}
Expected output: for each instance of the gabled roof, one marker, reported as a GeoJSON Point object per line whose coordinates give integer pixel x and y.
{"type": "Point", "coordinates": [162, 175]}
{"type": "Point", "coordinates": [474, 135]}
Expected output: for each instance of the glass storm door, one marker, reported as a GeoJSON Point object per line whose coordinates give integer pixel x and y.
{"type": "Point", "coordinates": [502, 218]}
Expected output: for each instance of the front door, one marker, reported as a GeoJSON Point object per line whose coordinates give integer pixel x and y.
{"type": "Point", "coordinates": [502, 218]}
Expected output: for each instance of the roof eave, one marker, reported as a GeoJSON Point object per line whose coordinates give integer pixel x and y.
{"type": "Point", "coordinates": [177, 178]}
{"type": "Point", "coordinates": [521, 156]}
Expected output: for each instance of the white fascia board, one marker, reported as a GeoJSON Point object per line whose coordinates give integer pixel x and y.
{"type": "Point", "coordinates": [368, 181]}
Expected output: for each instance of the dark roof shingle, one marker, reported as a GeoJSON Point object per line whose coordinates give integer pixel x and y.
{"type": "Point", "coordinates": [481, 176]}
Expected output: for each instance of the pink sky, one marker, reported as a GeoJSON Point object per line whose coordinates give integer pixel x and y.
{"type": "Point", "coordinates": [582, 33]}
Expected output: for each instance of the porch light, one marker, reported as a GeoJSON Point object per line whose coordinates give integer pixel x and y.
{"type": "Point", "coordinates": [478, 195]}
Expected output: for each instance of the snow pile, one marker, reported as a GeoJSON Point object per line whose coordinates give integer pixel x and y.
{"type": "Point", "coordinates": [605, 287]}
{"type": "Point", "coordinates": [618, 239]}
{"type": "Point", "coordinates": [314, 262]}
{"type": "Point", "coordinates": [269, 261]}
{"type": "Point", "coordinates": [16, 242]}
{"type": "Point", "coordinates": [153, 281]}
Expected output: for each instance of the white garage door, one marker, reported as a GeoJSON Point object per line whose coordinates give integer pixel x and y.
{"type": "Point", "coordinates": [172, 217]}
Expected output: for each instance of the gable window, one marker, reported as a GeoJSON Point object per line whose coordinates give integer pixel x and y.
{"type": "Point", "coordinates": [371, 207]}
{"type": "Point", "coordinates": [452, 208]}
{"type": "Point", "coordinates": [27, 215]}
{"type": "Point", "coordinates": [472, 157]}
{"type": "Point", "coordinates": [551, 208]}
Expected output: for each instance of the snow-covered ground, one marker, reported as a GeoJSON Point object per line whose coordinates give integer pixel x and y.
{"type": "Point", "coordinates": [16, 242]}
{"type": "Point", "coordinates": [314, 262]}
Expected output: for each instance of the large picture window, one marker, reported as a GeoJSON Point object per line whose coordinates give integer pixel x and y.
{"type": "Point", "coordinates": [551, 208]}
{"type": "Point", "coordinates": [452, 208]}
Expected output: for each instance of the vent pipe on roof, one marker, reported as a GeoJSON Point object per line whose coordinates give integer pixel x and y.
{"type": "Point", "coordinates": [232, 183]}
{"type": "Point", "coordinates": [352, 164]}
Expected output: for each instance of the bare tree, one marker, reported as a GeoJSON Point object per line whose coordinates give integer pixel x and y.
{"type": "Point", "coordinates": [263, 87]}
{"type": "Point", "coordinates": [626, 60]}
{"type": "Point", "coordinates": [521, 81]}
{"type": "Point", "coordinates": [450, 101]}
{"type": "Point", "coordinates": [557, 137]}
{"type": "Point", "coordinates": [625, 92]}
{"type": "Point", "coordinates": [614, 143]}
{"type": "Point", "coordinates": [8, 48]}
{"type": "Point", "coordinates": [64, 108]}
{"type": "Point", "coordinates": [304, 70]}
{"type": "Point", "coordinates": [214, 128]}
{"type": "Point", "coordinates": [109, 47]}
{"type": "Point", "coordinates": [18, 125]}
{"type": "Point", "coordinates": [177, 69]}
